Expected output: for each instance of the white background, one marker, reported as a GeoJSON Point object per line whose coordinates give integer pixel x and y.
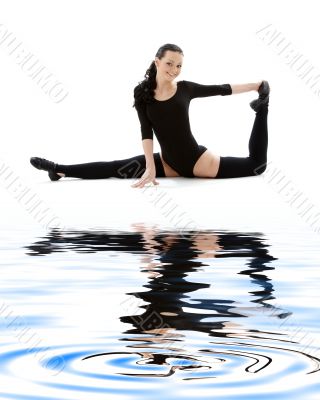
{"type": "Point", "coordinates": [99, 50]}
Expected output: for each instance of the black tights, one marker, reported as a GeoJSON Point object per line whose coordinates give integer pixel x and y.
{"type": "Point", "coordinates": [255, 164]}
{"type": "Point", "coordinates": [134, 167]}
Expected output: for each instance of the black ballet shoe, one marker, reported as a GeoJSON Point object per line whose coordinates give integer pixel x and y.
{"type": "Point", "coordinates": [46, 165]}
{"type": "Point", "coordinates": [263, 99]}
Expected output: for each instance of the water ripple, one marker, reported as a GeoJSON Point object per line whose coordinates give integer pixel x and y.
{"type": "Point", "coordinates": [154, 313]}
{"type": "Point", "coordinates": [82, 369]}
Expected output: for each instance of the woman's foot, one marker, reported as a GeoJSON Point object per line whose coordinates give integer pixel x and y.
{"type": "Point", "coordinates": [263, 99]}
{"type": "Point", "coordinates": [46, 165]}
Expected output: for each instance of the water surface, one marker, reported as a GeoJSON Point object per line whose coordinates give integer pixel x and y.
{"type": "Point", "coordinates": [96, 314]}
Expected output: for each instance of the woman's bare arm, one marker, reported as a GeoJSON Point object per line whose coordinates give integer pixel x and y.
{"type": "Point", "coordinates": [147, 145]}
{"type": "Point", "coordinates": [150, 172]}
{"type": "Point", "coordinates": [245, 87]}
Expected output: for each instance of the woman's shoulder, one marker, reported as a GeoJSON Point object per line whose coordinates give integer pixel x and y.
{"type": "Point", "coordinates": [186, 86]}
{"type": "Point", "coordinates": [186, 83]}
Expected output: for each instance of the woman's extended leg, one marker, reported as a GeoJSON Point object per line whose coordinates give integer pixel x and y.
{"type": "Point", "coordinates": [256, 163]}
{"type": "Point", "coordinates": [132, 167]}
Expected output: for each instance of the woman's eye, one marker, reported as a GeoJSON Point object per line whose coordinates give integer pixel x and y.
{"type": "Point", "coordinates": [168, 63]}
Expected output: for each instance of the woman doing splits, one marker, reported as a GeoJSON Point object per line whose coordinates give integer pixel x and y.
{"type": "Point", "coordinates": [162, 105]}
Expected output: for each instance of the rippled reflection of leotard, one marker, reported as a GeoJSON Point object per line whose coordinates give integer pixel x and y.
{"type": "Point", "coordinates": [169, 120]}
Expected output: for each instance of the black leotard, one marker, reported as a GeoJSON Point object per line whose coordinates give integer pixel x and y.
{"type": "Point", "coordinates": [169, 119]}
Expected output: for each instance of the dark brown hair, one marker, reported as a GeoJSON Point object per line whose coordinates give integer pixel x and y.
{"type": "Point", "coordinates": [144, 91]}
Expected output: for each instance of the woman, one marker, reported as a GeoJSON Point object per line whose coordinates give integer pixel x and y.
{"type": "Point", "coordinates": [162, 106]}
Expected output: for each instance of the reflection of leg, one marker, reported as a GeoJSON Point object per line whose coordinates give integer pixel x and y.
{"type": "Point", "coordinates": [132, 167]}
{"type": "Point", "coordinates": [255, 164]}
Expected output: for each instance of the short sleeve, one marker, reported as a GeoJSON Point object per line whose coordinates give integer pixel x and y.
{"type": "Point", "coordinates": [146, 126]}
{"type": "Point", "coordinates": [199, 90]}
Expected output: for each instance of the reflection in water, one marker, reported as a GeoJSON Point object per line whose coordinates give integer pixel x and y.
{"type": "Point", "coordinates": [172, 300]}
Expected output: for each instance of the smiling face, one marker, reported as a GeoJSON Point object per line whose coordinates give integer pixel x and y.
{"type": "Point", "coordinates": [169, 66]}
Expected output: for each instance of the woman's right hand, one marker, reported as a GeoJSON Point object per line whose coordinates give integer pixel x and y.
{"type": "Point", "coordinates": [148, 176]}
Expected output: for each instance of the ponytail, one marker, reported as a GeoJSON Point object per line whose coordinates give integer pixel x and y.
{"type": "Point", "coordinates": [144, 92]}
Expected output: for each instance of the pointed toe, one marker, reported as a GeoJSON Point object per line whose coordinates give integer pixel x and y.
{"type": "Point", "coordinates": [34, 161]}
{"type": "Point", "coordinates": [264, 89]}
{"type": "Point", "coordinates": [46, 165]}
{"type": "Point", "coordinates": [263, 99]}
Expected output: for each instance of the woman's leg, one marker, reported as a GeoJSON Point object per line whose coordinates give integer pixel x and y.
{"type": "Point", "coordinates": [255, 164]}
{"type": "Point", "coordinates": [132, 167]}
